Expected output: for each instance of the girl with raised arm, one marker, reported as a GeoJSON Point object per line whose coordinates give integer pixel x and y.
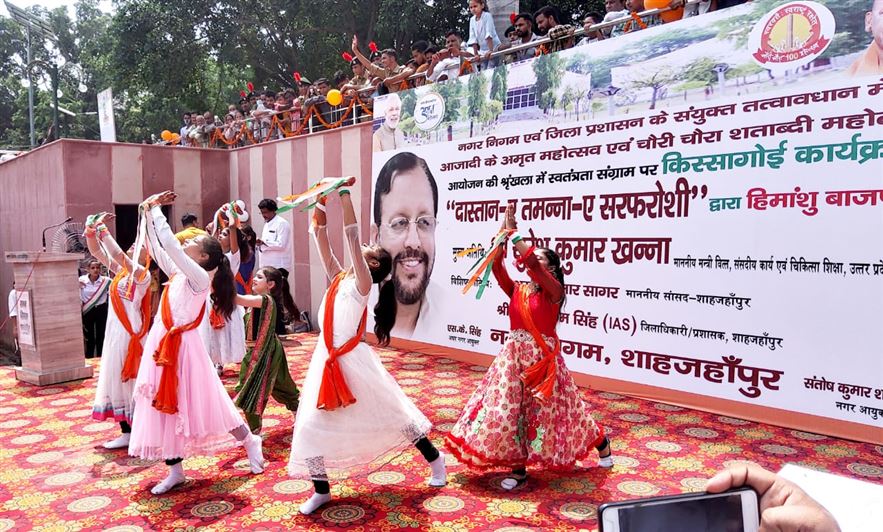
{"type": "Point", "coordinates": [181, 406]}
{"type": "Point", "coordinates": [264, 370]}
{"type": "Point", "coordinates": [223, 334]}
{"type": "Point", "coordinates": [352, 412]}
{"type": "Point", "coordinates": [527, 409]}
{"type": "Point", "coordinates": [127, 324]}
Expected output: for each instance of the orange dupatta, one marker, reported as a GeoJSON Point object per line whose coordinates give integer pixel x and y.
{"type": "Point", "coordinates": [216, 320]}
{"type": "Point", "coordinates": [334, 393]}
{"type": "Point", "coordinates": [540, 377]}
{"type": "Point", "coordinates": [166, 356]}
{"type": "Point", "coordinates": [135, 349]}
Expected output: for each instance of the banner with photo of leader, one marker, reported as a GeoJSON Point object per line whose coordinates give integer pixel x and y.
{"type": "Point", "coordinates": [714, 187]}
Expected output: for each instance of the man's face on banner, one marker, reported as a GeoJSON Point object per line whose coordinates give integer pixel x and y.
{"type": "Point", "coordinates": [874, 22]}
{"type": "Point", "coordinates": [407, 232]}
{"type": "Point", "coordinates": [393, 112]}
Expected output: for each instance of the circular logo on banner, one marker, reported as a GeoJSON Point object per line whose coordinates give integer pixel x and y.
{"type": "Point", "coordinates": [429, 111]}
{"type": "Point", "coordinates": [792, 35]}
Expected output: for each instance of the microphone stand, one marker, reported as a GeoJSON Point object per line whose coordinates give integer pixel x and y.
{"type": "Point", "coordinates": [50, 227]}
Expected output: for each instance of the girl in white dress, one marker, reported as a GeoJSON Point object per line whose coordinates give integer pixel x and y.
{"type": "Point", "coordinates": [181, 407]}
{"type": "Point", "coordinates": [352, 412]}
{"type": "Point", "coordinates": [224, 336]}
{"type": "Point", "coordinates": [127, 325]}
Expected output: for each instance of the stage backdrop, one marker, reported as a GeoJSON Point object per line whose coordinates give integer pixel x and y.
{"type": "Point", "coordinates": [713, 186]}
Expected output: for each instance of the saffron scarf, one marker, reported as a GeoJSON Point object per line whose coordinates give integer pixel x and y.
{"type": "Point", "coordinates": [166, 355]}
{"type": "Point", "coordinates": [540, 377]}
{"type": "Point", "coordinates": [334, 392]}
{"type": "Point", "coordinates": [134, 349]}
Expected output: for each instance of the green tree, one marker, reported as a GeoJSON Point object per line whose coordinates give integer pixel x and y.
{"type": "Point", "coordinates": [452, 92]}
{"type": "Point", "coordinates": [580, 92]}
{"type": "Point", "coordinates": [656, 80]}
{"type": "Point", "coordinates": [548, 71]}
{"type": "Point", "coordinates": [409, 102]}
{"type": "Point", "coordinates": [499, 83]}
{"type": "Point", "coordinates": [491, 111]}
{"type": "Point", "coordinates": [476, 98]}
{"type": "Point", "coordinates": [567, 98]}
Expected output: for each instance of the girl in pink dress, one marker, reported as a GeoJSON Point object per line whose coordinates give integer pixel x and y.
{"type": "Point", "coordinates": [527, 409]}
{"type": "Point", "coordinates": [181, 406]}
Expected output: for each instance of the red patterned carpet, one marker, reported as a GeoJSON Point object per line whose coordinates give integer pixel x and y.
{"type": "Point", "coordinates": [54, 475]}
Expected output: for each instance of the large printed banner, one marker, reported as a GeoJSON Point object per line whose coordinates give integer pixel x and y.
{"type": "Point", "coordinates": [714, 188]}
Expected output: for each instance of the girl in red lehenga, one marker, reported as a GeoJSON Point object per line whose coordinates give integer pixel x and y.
{"type": "Point", "coordinates": [527, 409]}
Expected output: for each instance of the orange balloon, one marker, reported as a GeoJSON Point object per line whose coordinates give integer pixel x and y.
{"type": "Point", "coordinates": [166, 135]}
{"type": "Point", "coordinates": [334, 97]}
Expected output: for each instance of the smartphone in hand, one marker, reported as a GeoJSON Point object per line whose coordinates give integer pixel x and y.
{"type": "Point", "coordinates": [732, 511]}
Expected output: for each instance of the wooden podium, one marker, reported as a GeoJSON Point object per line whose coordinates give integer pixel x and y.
{"type": "Point", "coordinates": [49, 319]}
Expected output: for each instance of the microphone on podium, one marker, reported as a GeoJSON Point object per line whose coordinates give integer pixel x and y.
{"type": "Point", "coordinates": [50, 227]}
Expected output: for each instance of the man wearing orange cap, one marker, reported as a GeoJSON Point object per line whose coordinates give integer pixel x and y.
{"type": "Point", "coordinates": [871, 62]}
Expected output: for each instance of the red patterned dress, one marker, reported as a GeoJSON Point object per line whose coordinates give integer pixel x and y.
{"type": "Point", "coordinates": [507, 424]}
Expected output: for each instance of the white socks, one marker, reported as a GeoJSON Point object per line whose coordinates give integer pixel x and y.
{"type": "Point", "coordinates": [253, 447]}
{"type": "Point", "coordinates": [314, 502]}
{"type": "Point", "coordinates": [439, 474]}
{"type": "Point", "coordinates": [176, 477]}
{"type": "Point", "coordinates": [119, 443]}
{"type": "Point", "coordinates": [606, 461]}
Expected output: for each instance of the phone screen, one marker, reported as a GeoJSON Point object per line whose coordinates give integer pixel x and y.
{"type": "Point", "coordinates": [723, 514]}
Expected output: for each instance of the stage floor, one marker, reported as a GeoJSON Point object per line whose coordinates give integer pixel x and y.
{"type": "Point", "coordinates": [54, 474]}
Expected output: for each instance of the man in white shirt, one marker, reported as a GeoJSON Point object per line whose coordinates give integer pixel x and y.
{"type": "Point", "coordinates": [12, 305]}
{"type": "Point", "coordinates": [275, 241]}
{"type": "Point", "coordinates": [446, 63]}
{"type": "Point", "coordinates": [93, 296]}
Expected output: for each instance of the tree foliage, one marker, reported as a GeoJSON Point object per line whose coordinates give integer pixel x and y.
{"type": "Point", "coordinates": [163, 58]}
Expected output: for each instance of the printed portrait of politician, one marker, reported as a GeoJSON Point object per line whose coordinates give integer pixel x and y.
{"type": "Point", "coordinates": [405, 209]}
{"type": "Point", "coordinates": [388, 136]}
{"type": "Point", "coordinates": [870, 63]}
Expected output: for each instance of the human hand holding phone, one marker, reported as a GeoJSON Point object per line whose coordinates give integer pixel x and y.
{"type": "Point", "coordinates": [730, 511]}
{"type": "Point", "coordinates": [783, 505]}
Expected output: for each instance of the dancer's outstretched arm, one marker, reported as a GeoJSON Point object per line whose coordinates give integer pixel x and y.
{"type": "Point", "coordinates": [354, 244]}
{"type": "Point", "coordinates": [167, 251]}
{"type": "Point", "coordinates": [95, 248]}
{"type": "Point", "coordinates": [320, 238]}
{"type": "Point", "coordinates": [499, 268]}
{"type": "Point", "coordinates": [120, 257]}
{"type": "Point", "coordinates": [549, 284]}
{"type": "Point", "coordinates": [249, 301]}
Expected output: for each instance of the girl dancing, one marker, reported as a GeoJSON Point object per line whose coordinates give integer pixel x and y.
{"type": "Point", "coordinates": [352, 411]}
{"type": "Point", "coordinates": [127, 325]}
{"type": "Point", "coordinates": [264, 370]}
{"type": "Point", "coordinates": [181, 406]}
{"type": "Point", "coordinates": [527, 409]}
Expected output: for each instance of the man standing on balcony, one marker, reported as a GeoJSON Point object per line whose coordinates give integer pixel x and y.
{"type": "Point", "coordinates": [523, 35]}
{"type": "Point", "coordinates": [275, 241]}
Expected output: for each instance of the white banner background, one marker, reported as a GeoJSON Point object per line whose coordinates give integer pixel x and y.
{"type": "Point", "coordinates": [828, 323]}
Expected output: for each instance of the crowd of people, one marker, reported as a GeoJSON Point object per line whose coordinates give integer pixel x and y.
{"type": "Point", "coordinates": [346, 97]}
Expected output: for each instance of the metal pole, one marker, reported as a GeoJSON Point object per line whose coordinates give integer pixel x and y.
{"type": "Point", "coordinates": [31, 93]}
{"type": "Point", "coordinates": [55, 129]}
